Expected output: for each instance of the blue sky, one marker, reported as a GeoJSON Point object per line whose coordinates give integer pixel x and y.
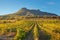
{"type": "Point", "coordinates": [11, 6]}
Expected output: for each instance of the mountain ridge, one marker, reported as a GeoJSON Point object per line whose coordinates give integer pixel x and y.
{"type": "Point", "coordinates": [31, 12]}
{"type": "Point", "coordinates": [27, 12]}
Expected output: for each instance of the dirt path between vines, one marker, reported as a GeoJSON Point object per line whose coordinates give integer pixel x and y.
{"type": "Point", "coordinates": [37, 33]}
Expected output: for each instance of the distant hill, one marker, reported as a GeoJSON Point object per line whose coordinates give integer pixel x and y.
{"type": "Point", "coordinates": [27, 12]}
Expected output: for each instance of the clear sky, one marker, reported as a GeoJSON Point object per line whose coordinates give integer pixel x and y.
{"type": "Point", "coordinates": [11, 6]}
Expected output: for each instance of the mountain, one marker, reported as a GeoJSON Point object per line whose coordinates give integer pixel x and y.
{"type": "Point", "coordinates": [28, 12]}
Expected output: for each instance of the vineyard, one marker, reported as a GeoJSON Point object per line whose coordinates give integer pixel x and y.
{"type": "Point", "coordinates": [42, 29]}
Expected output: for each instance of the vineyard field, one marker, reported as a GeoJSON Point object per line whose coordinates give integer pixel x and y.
{"type": "Point", "coordinates": [40, 29]}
